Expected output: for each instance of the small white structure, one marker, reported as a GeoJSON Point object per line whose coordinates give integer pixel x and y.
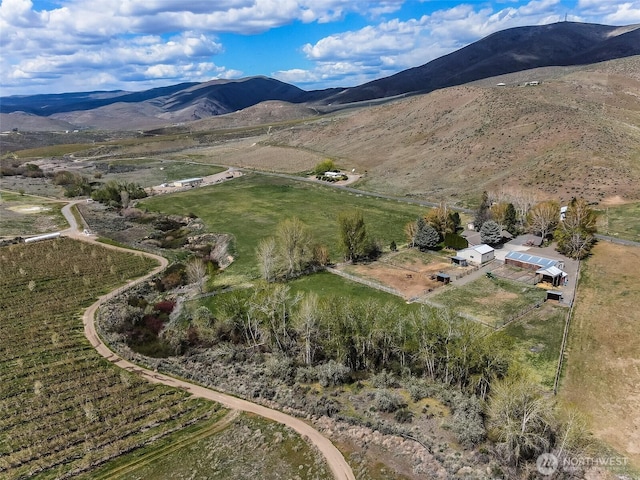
{"type": "Point", "coordinates": [501, 84]}
{"type": "Point", "coordinates": [333, 174]}
{"type": "Point", "coordinates": [563, 213]}
{"type": "Point", "coordinates": [478, 254]}
{"type": "Point", "coordinates": [188, 182]}
{"type": "Point", "coordinates": [39, 238]}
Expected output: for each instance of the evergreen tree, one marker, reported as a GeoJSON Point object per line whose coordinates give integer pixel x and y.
{"type": "Point", "coordinates": [510, 219]}
{"type": "Point", "coordinates": [426, 237]}
{"type": "Point", "coordinates": [483, 213]}
{"type": "Point", "coordinates": [491, 233]}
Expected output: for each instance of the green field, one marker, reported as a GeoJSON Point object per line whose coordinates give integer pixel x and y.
{"type": "Point", "coordinates": [64, 407]}
{"type": "Point", "coordinates": [494, 301]}
{"type": "Point", "coordinates": [538, 335]}
{"type": "Point", "coordinates": [250, 208]}
{"type": "Point", "coordinates": [622, 221]}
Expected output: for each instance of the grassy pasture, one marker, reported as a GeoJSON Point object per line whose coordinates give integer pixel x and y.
{"type": "Point", "coordinates": [538, 336]}
{"type": "Point", "coordinates": [602, 370]}
{"type": "Point", "coordinates": [622, 221]}
{"type": "Point", "coordinates": [493, 301]}
{"type": "Point", "coordinates": [64, 408]}
{"type": "Point", "coordinates": [149, 172]}
{"type": "Point", "coordinates": [21, 215]}
{"type": "Point", "coordinates": [251, 207]}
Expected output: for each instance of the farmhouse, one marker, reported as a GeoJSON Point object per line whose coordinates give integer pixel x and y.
{"type": "Point", "coordinates": [188, 182]}
{"type": "Point", "coordinates": [332, 174]}
{"type": "Point", "coordinates": [477, 255]}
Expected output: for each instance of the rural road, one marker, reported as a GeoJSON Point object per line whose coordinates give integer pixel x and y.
{"type": "Point", "coordinates": [335, 460]}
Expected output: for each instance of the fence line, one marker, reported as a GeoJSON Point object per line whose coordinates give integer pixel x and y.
{"type": "Point", "coordinates": [565, 334]}
{"type": "Point", "coordinates": [353, 278]}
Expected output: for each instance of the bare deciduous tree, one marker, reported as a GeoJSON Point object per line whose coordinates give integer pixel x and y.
{"type": "Point", "coordinates": [543, 218]}
{"type": "Point", "coordinates": [267, 258]}
{"type": "Point", "coordinates": [196, 272]}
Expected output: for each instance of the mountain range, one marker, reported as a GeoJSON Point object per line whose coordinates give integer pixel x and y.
{"type": "Point", "coordinates": [508, 51]}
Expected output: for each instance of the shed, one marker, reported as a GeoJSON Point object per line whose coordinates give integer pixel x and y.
{"type": "Point", "coordinates": [554, 295]}
{"type": "Point", "coordinates": [443, 277]}
{"type": "Point", "coordinates": [531, 262]}
{"type": "Point", "coordinates": [478, 254]}
{"type": "Point", "coordinates": [188, 182]}
{"type": "Point", "coordinates": [459, 261]}
{"type": "Point", "coordinates": [553, 275]}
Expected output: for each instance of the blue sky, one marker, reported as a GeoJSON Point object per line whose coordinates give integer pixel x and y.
{"type": "Point", "coordinates": [58, 46]}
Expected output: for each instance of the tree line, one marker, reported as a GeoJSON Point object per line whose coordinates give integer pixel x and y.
{"type": "Point", "coordinates": [573, 228]}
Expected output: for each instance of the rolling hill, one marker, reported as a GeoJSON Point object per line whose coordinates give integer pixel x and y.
{"type": "Point", "coordinates": [513, 50]}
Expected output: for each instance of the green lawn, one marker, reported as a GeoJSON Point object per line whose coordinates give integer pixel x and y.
{"type": "Point", "coordinates": [250, 208]}
{"type": "Point", "coordinates": [493, 301]}
{"type": "Point", "coordinates": [621, 221]}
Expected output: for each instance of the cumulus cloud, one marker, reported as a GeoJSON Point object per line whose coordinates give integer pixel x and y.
{"type": "Point", "coordinates": [120, 42]}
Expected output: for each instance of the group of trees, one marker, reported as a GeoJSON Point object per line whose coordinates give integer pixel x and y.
{"type": "Point", "coordinates": [355, 242]}
{"type": "Point", "coordinates": [118, 194]}
{"type": "Point", "coordinates": [430, 230]}
{"type": "Point", "coordinates": [290, 252]}
{"type": "Point", "coordinates": [363, 335]}
{"type": "Point", "coordinates": [574, 230]}
{"type": "Point", "coordinates": [293, 250]}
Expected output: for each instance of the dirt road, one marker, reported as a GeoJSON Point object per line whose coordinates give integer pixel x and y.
{"type": "Point", "coordinates": [335, 460]}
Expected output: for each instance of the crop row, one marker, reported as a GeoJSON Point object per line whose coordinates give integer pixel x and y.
{"type": "Point", "coordinates": [63, 408]}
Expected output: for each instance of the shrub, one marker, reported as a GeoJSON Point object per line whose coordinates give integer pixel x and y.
{"type": "Point", "coordinates": [332, 373]}
{"type": "Point", "coordinates": [306, 375]}
{"type": "Point", "coordinates": [280, 367]}
{"type": "Point", "coordinates": [384, 379]}
{"type": "Point", "coordinates": [165, 306]}
{"type": "Point", "coordinates": [386, 401]}
{"type": "Point", "coordinates": [404, 415]}
{"type": "Point", "coordinates": [455, 241]}
{"type": "Point", "coordinates": [467, 421]}
{"type": "Point", "coordinates": [327, 165]}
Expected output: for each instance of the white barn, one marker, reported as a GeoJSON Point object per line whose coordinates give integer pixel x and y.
{"type": "Point", "coordinates": [478, 254]}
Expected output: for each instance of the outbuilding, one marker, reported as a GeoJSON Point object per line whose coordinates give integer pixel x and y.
{"type": "Point", "coordinates": [478, 254]}
{"type": "Point", "coordinates": [461, 261]}
{"type": "Point", "coordinates": [188, 182]}
{"type": "Point", "coordinates": [554, 295]}
{"type": "Point", "coordinates": [552, 275]}
{"type": "Point", "coordinates": [443, 277]}
{"type": "Point", "coordinates": [531, 262]}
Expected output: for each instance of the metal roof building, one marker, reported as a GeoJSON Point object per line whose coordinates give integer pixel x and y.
{"type": "Point", "coordinates": [528, 261]}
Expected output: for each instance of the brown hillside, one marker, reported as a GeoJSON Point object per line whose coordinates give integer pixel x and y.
{"type": "Point", "coordinates": [577, 133]}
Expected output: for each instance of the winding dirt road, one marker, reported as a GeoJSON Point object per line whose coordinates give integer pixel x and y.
{"type": "Point", "coordinates": [335, 460]}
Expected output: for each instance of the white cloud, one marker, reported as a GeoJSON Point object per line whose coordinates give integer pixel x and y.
{"type": "Point", "coordinates": [155, 40]}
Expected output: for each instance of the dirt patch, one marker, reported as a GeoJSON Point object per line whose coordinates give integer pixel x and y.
{"type": "Point", "coordinates": [613, 201]}
{"type": "Point", "coordinates": [404, 274]}
{"type": "Point", "coordinates": [27, 209]}
{"type": "Point", "coordinates": [496, 298]}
